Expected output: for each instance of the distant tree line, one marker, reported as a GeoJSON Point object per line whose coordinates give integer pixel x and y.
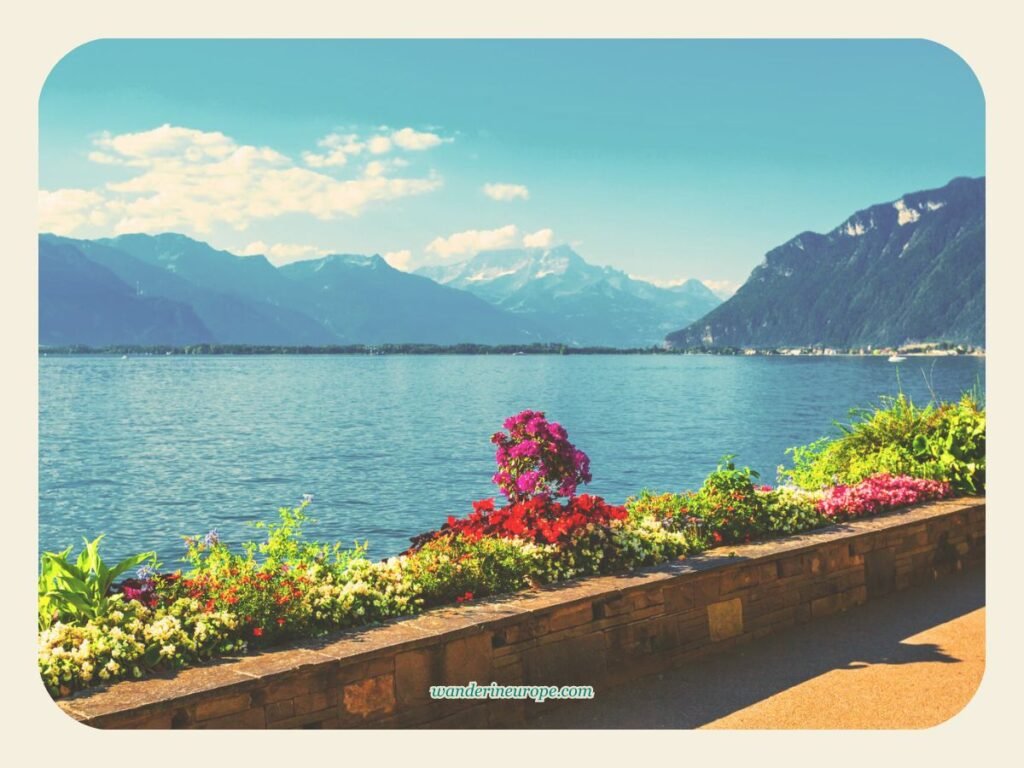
{"type": "Point", "coordinates": [454, 349]}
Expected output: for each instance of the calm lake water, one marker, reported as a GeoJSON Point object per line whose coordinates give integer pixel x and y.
{"type": "Point", "coordinates": [152, 448]}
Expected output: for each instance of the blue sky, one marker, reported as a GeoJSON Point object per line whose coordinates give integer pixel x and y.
{"type": "Point", "coordinates": [667, 159]}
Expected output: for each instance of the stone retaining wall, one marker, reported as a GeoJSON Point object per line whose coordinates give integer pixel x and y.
{"type": "Point", "coordinates": [600, 631]}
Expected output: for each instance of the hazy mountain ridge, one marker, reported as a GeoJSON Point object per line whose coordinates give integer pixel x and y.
{"type": "Point", "coordinates": [910, 270]}
{"type": "Point", "coordinates": [246, 300]}
{"type": "Point", "coordinates": [82, 302]}
{"type": "Point", "coordinates": [521, 297]}
{"type": "Point", "coordinates": [573, 300]}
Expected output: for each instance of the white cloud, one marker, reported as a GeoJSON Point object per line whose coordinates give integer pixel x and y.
{"type": "Point", "coordinates": [190, 179]}
{"type": "Point", "coordinates": [399, 259]}
{"type": "Point", "coordinates": [334, 158]}
{"type": "Point", "coordinates": [542, 238]}
{"type": "Point", "coordinates": [379, 145]}
{"type": "Point", "coordinates": [722, 288]}
{"type": "Point", "coordinates": [339, 146]}
{"type": "Point", "coordinates": [506, 191]}
{"type": "Point", "coordinates": [103, 158]}
{"type": "Point", "coordinates": [62, 211]}
{"type": "Point", "coordinates": [168, 141]}
{"type": "Point", "coordinates": [661, 282]}
{"type": "Point", "coordinates": [347, 141]}
{"type": "Point", "coordinates": [473, 241]}
{"type": "Point", "coordinates": [415, 141]}
{"type": "Point", "coordinates": [374, 168]}
{"type": "Point", "coordinates": [283, 253]}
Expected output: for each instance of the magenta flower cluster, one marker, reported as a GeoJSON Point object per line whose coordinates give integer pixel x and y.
{"type": "Point", "coordinates": [535, 458]}
{"type": "Point", "coordinates": [879, 493]}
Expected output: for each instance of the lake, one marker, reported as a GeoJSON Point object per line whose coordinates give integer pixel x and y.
{"type": "Point", "coordinates": [149, 449]}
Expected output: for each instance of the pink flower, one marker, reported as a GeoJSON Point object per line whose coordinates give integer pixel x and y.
{"type": "Point", "coordinates": [536, 457]}
{"type": "Point", "coordinates": [879, 493]}
{"type": "Point", "coordinates": [527, 449]}
{"type": "Point", "coordinates": [527, 482]}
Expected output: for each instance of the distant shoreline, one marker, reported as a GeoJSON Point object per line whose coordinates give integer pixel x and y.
{"type": "Point", "coordinates": [930, 350]}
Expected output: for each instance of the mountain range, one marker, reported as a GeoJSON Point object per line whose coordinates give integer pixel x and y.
{"type": "Point", "coordinates": [171, 289]}
{"type": "Point", "coordinates": [909, 270]}
{"type": "Point", "coordinates": [574, 301]}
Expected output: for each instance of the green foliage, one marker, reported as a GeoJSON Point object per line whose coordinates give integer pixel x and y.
{"type": "Point", "coordinates": [787, 511]}
{"type": "Point", "coordinates": [76, 592]}
{"type": "Point", "coordinates": [454, 568]}
{"type": "Point", "coordinates": [728, 505]}
{"type": "Point", "coordinates": [286, 586]}
{"type": "Point", "coordinates": [937, 442]}
{"type": "Point", "coordinates": [130, 640]}
{"type": "Point", "coordinates": [285, 543]}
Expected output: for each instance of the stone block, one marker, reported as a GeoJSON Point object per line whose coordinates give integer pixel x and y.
{"type": "Point", "coordinates": [467, 659]}
{"type": "Point", "coordinates": [360, 670]}
{"type": "Point", "coordinates": [735, 579]}
{"type": "Point", "coordinates": [574, 615]}
{"type": "Point", "coordinates": [314, 702]}
{"type": "Point", "coordinates": [725, 619]}
{"type": "Point", "coordinates": [576, 661]}
{"type": "Point", "coordinates": [787, 567]}
{"type": "Point", "coordinates": [641, 638]}
{"type": "Point", "coordinates": [415, 672]}
{"type": "Point", "coordinates": [280, 710]}
{"type": "Point", "coordinates": [225, 705]}
{"type": "Point", "coordinates": [679, 597]}
{"type": "Point", "coordinates": [246, 719]}
{"type": "Point", "coordinates": [528, 628]}
{"type": "Point", "coordinates": [290, 686]}
{"type": "Point", "coordinates": [373, 697]}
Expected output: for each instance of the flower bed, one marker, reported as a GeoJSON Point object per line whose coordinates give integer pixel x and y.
{"type": "Point", "coordinates": [93, 629]}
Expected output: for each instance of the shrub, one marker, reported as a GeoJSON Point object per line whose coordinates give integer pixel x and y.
{"type": "Point", "coordinates": [536, 458]}
{"type": "Point", "coordinates": [944, 442]}
{"type": "Point", "coordinates": [286, 586]}
{"type": "Point", "coordinates": [130, 640]}
{"type": "Point", "coordinates": [457, 568]}
{"type": "Point", "coordinates": [76, 592]}
{"type": "Point", "coordinates": [791, 510]}
{"type": "Point", "coordinates": [728, 505]}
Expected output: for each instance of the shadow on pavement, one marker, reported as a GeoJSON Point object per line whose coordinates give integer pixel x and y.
{"type": "Point", "coordinates": [706, 690]}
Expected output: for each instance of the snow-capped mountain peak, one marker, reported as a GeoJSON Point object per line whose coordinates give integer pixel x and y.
{"type": "Point", "coordinates": [593, 303]}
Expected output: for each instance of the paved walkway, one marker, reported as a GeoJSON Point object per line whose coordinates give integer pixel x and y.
{"type": "Point", "coordinates": [910, 660]}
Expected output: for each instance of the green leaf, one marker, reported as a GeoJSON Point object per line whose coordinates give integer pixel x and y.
{"type": "Point", "coordinates": [79, 602]}
{"type": "Point", "coordinates": [129, 562]}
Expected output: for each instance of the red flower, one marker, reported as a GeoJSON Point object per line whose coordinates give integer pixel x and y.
{"type": "Point", "coordinates": [539, 519]}
{"type": "Point", "coordinates": [464, 598]}
{"type": "Point", "coordinates": [717, 537]}
{"type": "Point", "coordinates": [257, 631]}
{"type": "Point", "coordinates": [280, 621]}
